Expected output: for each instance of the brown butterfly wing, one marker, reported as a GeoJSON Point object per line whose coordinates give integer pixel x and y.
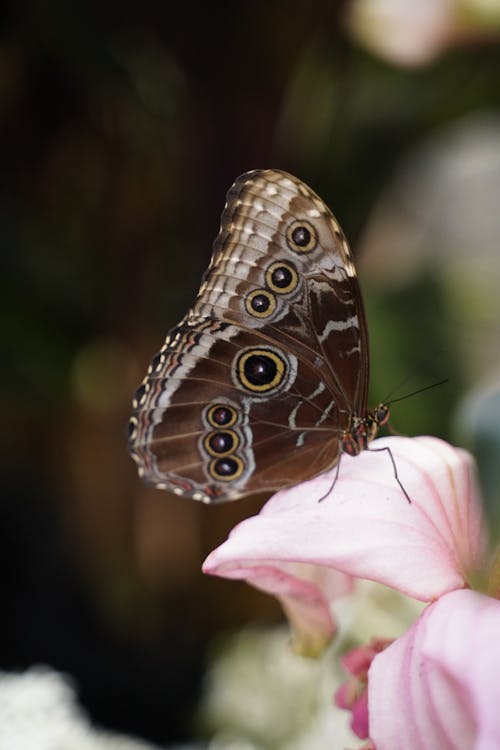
{"type": "Point", "coordinates": [253, 388]}
{"type": "Point", "coordinates": [327, 317]}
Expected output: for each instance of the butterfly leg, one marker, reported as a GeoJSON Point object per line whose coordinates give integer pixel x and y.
{"type": "Point", "coordinates": [330, 488]}
{"type": "Point", "coordinates": [396, 477]}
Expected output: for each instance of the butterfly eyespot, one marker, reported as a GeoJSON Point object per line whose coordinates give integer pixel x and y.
{"type": "Point", "coordinates": [221, 443]}
{"type": "Point", "coordinates": [221, 415]}
{"type": "Point", "coordinates": [229, 394]}
{"type": "Point", "coordinates": [260, 370]}
{"type": "Point", "coordinates": [281, 277]}
{"type": "Point", "coordinates": [301, 237]}
{"type": "Point", "coordinates": [260, 303]}
{"type": "Point", "coordinates": [226, 469]}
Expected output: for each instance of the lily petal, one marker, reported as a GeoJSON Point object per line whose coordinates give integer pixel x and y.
{"type": "Point", "coordinates": [437, 686]}
{"type": "Point", "coordinates": [365, 528]}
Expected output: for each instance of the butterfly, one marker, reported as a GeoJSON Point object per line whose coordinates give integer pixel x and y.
{"type": "Point", "coordinates": [263, 384]}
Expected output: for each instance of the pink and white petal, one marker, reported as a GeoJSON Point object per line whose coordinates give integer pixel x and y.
{"type": "Point", "coordinates": [305, 592]}
{"type": "Point", "coordinates": [365, 527]}
{"type": "Point", "coordinates": [437, 686]}
{"type": "Point", "coordinates": [359, 721]}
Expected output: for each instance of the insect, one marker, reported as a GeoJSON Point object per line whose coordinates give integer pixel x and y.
{"type": "Point", "coordinates": [264, 382]}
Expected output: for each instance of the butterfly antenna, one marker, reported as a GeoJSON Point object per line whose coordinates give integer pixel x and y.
{"type": "Point", "coordinates": [421, 362]}
{"type": "Point", "coordinates": [397, 387]}
{"type": "Point", "coordinates": [414, 393]}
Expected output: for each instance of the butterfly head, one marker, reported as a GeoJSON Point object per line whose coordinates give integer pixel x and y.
{"type": "Point", "coordinates": [374, 420]}
{"type": "Point", "coordinates": [380, 415]}
{"type": "Point", "coordinates": [364, 429]}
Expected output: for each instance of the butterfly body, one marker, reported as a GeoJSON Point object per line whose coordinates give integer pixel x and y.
{"type": "Point", "coordinates": [264, 382]}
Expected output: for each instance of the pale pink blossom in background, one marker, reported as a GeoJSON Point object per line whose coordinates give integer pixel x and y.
{"type": "Point", "coordinates": [403, 32]}
{"type": "Point", "coordinates": [413, 34]}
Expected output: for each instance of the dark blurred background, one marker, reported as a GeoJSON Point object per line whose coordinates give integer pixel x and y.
{"type": "Point", "coordinates": [122, 127]}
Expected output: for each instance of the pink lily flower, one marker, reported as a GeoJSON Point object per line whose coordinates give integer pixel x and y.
{"type": "Point", "coordinates": [307, 553]}
{"type": "Point", "coordinates": [353, 694]}
{"type": "Point", "coordinates": [436, 687]}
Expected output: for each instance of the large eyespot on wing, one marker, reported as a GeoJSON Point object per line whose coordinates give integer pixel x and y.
{"type": "Point", "coordinates": [223, 414]}
{"type": "Point", "coordinates": [281, 263]}
{"type": "Point", "coordinates": [276, 341]}
{"type": "Point", "coordinates": [258, 227]}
